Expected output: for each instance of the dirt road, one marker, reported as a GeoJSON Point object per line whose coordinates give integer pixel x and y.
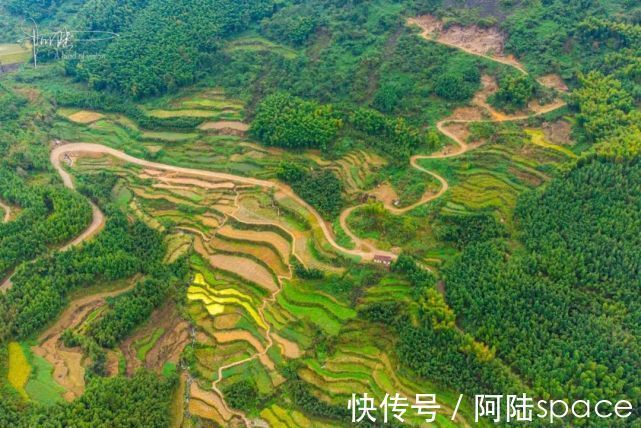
{"type": "Point", "coordinates": [79, 148]}
{"type": "Point", "coordinates": [7, 211]}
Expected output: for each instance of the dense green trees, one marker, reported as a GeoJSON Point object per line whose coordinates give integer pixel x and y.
{"type": "Point", "coordinates": [430, 343]}
{"type": "Point", "coordinates": [293, 26]}
{"type": "Point", "coordinates": [143, 400]}
{"type": "Point", "coordinates": [464, 230]}
{"type": "Point", "coordinates": [287, 121]}
{"type": "Point", "coordinates": [34, 9]}
{"type": "Point", "coordinates": [167, 44]}
{"type": "Point", "coordinates": [49, 216]}
{"type": "Point", "coordinates": [108, 15]}
{"type": "Point", "coordinates": [605, 108]}
{"type": "Point", "coordinates": [40, 288]}
{"type": "Point", "coordinates": [563, 311]}
{"type": "Point", "coordinates": [514, 93]}
{"type": "Point", "coordinates": [128, 310]}
{"type": "Point", "coordinates": [392, 136]}
{"type": "Point", "coordinates": [242, 395]}
{"type": "Point", "coordinates": [457, 81]}
{"type": "Point", "coordinates": [320, 188]}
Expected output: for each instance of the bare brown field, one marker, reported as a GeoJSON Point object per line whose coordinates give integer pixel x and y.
{"type": "Point", "coordinates": [68, 370]}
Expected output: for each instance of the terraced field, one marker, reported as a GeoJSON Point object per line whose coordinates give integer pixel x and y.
{"type": "Point", "coordinates": [252, 43]}
{"type": "Point", "coordinates": [245, 236]}
{"type": "Point", "coordinates": [14, 54]}
{"type": "Point", "coordinates": [353, 169]}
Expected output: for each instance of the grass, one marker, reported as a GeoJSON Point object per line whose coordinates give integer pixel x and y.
{"type": "Point", "coordinates": [122, 196]}
{"type": "Point", "coordinates": [538, 139]}
{"type": "Point", "coordinates": [214, 104]}
{"type": "Point", "coordinates": [170, 137]}
{"type": "Point", "coordinates": [259, 44]}
{"type": "Point", "coordinates": [14, 54]}
{"type": "Point", "coordinates": [316, 315]}
{"type": "Point", "coordinates": [169, 369]}
{"type": "Point", "coordinates": [41, 387]}
{"type": "Point", "coordinates": [144, 345]}
{"type": "Point", "coordinates": [19, 369]}
{"type": "Point", "coordinates": [163, 114]}
{"type": "Point", "coordinates": [296, 295]}
{"type": "Point", "coordinates": [342, 238]}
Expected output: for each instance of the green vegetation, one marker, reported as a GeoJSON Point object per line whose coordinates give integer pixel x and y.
{"type": "Point", "coordinates": [66, 214]}
{"type": "Point", "coordinates": [287, 121]}
{"type": "Point", "coordinates": [521, 273]}
{"type": "Point", "coordinates": [41, 387]}
{"type": "Point", "coordinates": [568, 268]}
{"type": "Point", "coordinates": [145, 345]}
{"type": "Point", "coordinates": [163, 46]}
{"type": "Point", "coordinates": [515, 90]}
{"type": "Point", "coordinates": [145, 399]}
{"type": "Point", "coordinates": [320, 188]}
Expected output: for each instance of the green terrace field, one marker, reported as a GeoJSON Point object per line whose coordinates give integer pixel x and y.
{"type": "Point", "coordinates": [241, 214]}
{"type": "Point", "coordinates": [253, 319]}
{"type": "Point", "coordinates": [14, 54]}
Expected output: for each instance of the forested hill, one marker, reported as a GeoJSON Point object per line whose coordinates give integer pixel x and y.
{"type": "Point", "coordinates": [305, 197]}
{"type": "Point", "coordinates": [166, 45]}
{"type": "Point", "coordinates": [564, 310]}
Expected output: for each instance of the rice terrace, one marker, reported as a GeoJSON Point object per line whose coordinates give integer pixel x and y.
{"type": "Point", "coordinates": [270, 210]}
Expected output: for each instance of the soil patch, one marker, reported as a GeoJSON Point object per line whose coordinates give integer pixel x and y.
{"type": "Point", "coordinates": [245, 268]}
{"type": "Point", "coordinates": [167, 348]}
{"type": "Point", "coordinates": [67, 363]}
{"type": "Point", "coordinates": [224, 125]}
{"type": "Point", "coordinates": [288, 348]}
{"type": "Point", "coordinates": [226, 321]}
{"type": "Point", "coordinates": [473, 39]}
{"type": "Point", "coordinates": [558, 132]}
{"type": "Point", "coordinates": [208, 405]}
{"type": "Point", "coordinates": [385, 193]}
{"type": "Point", "coordinates": [553, 81]}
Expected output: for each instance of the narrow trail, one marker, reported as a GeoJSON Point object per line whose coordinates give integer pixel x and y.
{"type": "Point", "coordinates": [261, 355]}
{"type": "Point", "coordinates": [98, 218]}
{"type": "Point", "coordinates": [7, 212]}
{"type": "Point", "coordinates": [462, 146]}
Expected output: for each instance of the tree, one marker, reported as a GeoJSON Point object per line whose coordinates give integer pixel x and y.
{"type": "Point", "coordinates": [291, 122]}
{"type": "Point", "coordinates": [605, 108]}
{"type": "Point", "coordinates": [514, 93]}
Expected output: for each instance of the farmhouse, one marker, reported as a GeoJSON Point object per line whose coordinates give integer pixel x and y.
{"type": "Point", "coordinates": [382, 260]}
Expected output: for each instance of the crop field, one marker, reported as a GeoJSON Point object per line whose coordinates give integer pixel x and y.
{"type": "Point", "coordinates": [14, 54]}
{"type": "Point", "coordinates": [252, 318]}
{"type": "Point", "coordinates": [355, 169]}
{"type": "Point", "coordinates": [491, 177]}
{"type": "Point", "coordinates": [19, 368]}
{"type": "Point", "coordinates": [251, 43]}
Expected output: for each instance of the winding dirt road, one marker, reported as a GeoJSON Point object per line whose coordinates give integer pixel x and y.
{"type": "Point", "coordinates": [65, 150]}
{"type": "Point", "coordinates": [363, 250]}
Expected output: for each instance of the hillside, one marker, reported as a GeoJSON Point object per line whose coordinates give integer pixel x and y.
{"type": "Point", "coordinates": [240, 213]}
